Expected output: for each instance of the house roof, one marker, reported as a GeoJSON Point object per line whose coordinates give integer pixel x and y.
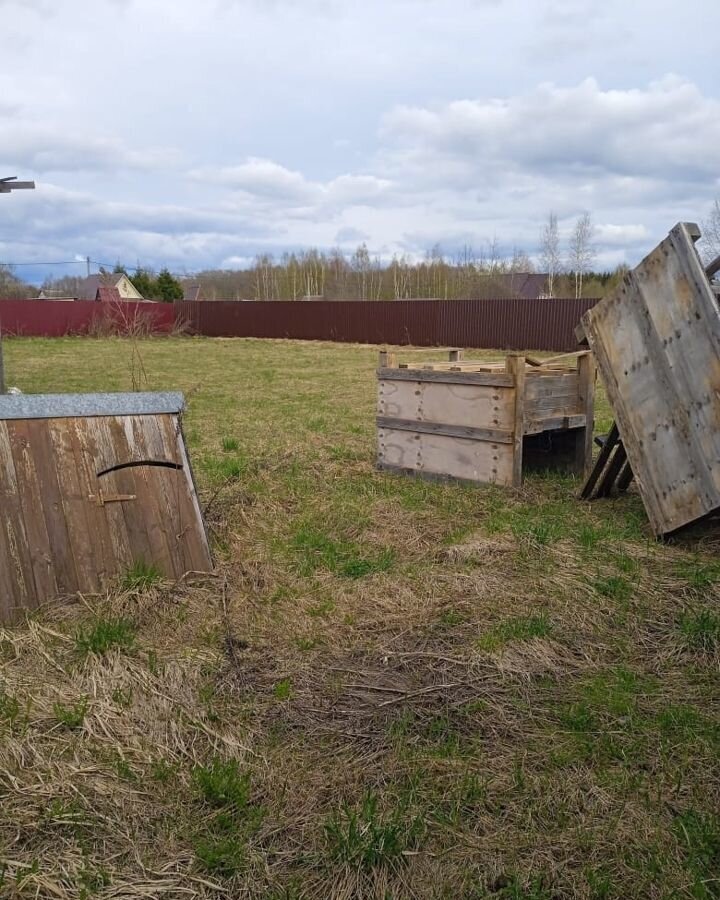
{"type": "Point", "coordinates": [88, 289]}
{"type": "Point", "coordinates": [107, 294]}
{"type": "Point", "coordinates": [525, 285]}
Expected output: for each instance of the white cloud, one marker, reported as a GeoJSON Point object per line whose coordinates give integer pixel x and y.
{"type": "Point", "coordinates": [207, 133]}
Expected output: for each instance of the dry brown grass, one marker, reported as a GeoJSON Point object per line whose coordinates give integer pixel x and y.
{"type": "Point", "coordinates": [435, 691]}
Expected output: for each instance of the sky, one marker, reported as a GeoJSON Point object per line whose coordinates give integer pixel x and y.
{"type": "Point", "coordinates": [196, 135]}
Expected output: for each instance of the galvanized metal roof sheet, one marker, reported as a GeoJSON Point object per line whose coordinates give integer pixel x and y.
{"type": "Point", "coordinates": [64, 406]}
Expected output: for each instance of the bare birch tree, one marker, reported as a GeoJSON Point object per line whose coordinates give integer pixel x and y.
{"type": "Point", "coordinates": [582, 250]}
{"type": "Point", "coordinates": [550, 256]}
{"type": "Point", "coordinates": [710, 246]}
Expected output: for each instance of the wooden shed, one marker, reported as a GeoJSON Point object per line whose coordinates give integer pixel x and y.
{"type": "Point", "coordinates": [91, 484]}
{"type": "Point", "coordinates": [485, 422]}
{"type": "Point", "coordinates": [657, 344]}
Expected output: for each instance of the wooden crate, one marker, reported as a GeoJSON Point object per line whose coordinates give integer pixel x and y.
{"type": "Point", "coordinates": [657, 343]}
{"type": "Point", "coordinates": [481, 421]}
{"type": "Point", "coordinates": [89, 485]}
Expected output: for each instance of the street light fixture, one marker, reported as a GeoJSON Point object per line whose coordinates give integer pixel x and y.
{"type": "Point", "coordinates": [12, 184]}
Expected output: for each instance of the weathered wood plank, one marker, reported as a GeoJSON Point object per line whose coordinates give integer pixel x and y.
{"type": "Point", "coordinates": [31, 504]}
{"type": "Point", "coordinates": [17, 584]}
{"type": "Point", "coordinates": [587, 371]}
{"type": "Point", "coordinates": [101, 541]}
{"type": "Point", "coordinates": [453, 404]}
{"type": "Point", "coordinates": [487, 378]}
{"type": "Point", "coordinates": [493, 435]}
{"type": "Point", "coordinates": [102, 455]}
{"type": "Point", "coordinates": [442, 455]}
{"type": "Point", "coordinates": [516, 368]}
{"type": "Point", "coordinates": [52, 507]}
{"type": "Point", "coordinates": [548, 385]}
{"type": "Point", "coordinates": [73, 492]}
{"type": "Point", "coordinates": [199, 545]}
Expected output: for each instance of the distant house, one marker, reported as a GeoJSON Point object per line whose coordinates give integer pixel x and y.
{"type": "Point", "coordinates": [191, 292]}
{"type": "Point", "coordinates": [47, 294]}
{"type": "Point", "coordinates": [109, 286]}
{"type": "Point", "coordinates": [520, 285]}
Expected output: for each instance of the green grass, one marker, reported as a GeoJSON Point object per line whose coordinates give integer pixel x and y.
{"type": "Point", "coordinates": [105, 634]}
{"type": "Point", "coordinates": [71, 715]}
{"type": "Point", "coordinates": [349, 707]}
{"type": "Point", "coordinates": [701, 630]}
{"type": "Point", "coordinates": [140, 577]}
{"type": "Point", "coordinates": [520, 628]}
{"type": "Point", "coordinates": [365, 836]}
{"type": "Point", "coordinates": [315, 549]}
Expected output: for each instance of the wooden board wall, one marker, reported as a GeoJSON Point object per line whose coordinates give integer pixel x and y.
{"type": "Point", "coordinates": [444, 455]}
{"type": "Point", "coordinates": [657, 344]}
{"type": "Point", "coordinates": [58, 537]}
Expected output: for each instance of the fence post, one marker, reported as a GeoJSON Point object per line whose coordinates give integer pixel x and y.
{"type": "Point", "coordinates": [2, 366]}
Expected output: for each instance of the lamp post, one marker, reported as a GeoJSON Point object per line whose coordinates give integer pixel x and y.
{"type": "Point", "coordinates": [12, 184]}
{"type": "Point", "coordinates": [6, 186]}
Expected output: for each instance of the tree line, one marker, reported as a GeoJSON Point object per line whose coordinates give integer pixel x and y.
{"type": "Point", "coordinates": [567, 262]}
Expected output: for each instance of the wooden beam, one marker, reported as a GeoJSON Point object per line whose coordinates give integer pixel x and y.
{"type": "Point", "coordinates": [515, 364]}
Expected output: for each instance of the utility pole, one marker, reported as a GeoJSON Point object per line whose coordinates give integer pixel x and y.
{"type": "Point", "coordinates": [87, 260]}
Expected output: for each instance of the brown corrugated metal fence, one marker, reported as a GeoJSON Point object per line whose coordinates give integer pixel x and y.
{"type": "Point", "coordinates": [492, 324]}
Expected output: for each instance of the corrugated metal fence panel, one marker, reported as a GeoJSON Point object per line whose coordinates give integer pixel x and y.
{"type": "Point", "coordinates": [492, 324]}
{"type": "Point", "coordinates": [55, 318]}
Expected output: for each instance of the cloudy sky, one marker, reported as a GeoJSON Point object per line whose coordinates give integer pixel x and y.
{"type": "Point", "coordinates": [197, 134]}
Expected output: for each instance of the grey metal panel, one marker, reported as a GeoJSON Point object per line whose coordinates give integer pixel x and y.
{"type": "Point", "coordinates": [64, 406]}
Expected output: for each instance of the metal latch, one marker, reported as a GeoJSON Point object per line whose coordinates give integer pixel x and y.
{"type": "Point", "coordinates": [102, 499]}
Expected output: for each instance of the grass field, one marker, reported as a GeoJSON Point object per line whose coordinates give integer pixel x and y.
{"type": "Point", "coordinates": [390, 689]}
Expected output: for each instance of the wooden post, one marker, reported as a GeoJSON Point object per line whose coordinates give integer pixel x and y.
{"type": "Point", "coordinates": [2, 367]}
{"type": "Point", "coordinates": [515, 366]}
{"type": "Point", "coordinates": [586, 388]}
{"type": "Point", "coordinates": [455, 354]}
{"type": "Point", "coordinates": [387, 359]}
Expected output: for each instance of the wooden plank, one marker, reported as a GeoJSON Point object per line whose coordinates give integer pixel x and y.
{"type": "Point", "coordinates": [182, 525]}
{"type": "Point", "coordinates": [587, 372]}
{"type": "Point", "coordinates": [200, 546]}
{"type": "Point", "coordinates": [441, 455]}
{"type": "Point", "coordinates": [612, 470]}
{"type": "Point", "coordinates": [52, 507]}
{"type": "Point", "coordinates": [155, 510]}
{"type": "Point", "coordinates": [145, 542]}
{"type": "Point", "coordinates": [453, 404]}
{"type": "Point", "coordinates": [464, 431]}
{"type": "Point", "coordinates": [554, 360]}
{"type": "Point", "coordinates": [516, 368]}
{"type": "Point", "coordinates": [17, 583]}
{"type": "Point", "coordinates": [555, 423]}
{"type": "Point", "coordinates": [490, 378]}
{"type": "Point", "coordinates": [588, 489]}
{"type": "Point", "coordinates": [168, 485]}
{"type": "Point", "coordinates": [101, 543]}
{"type": "Point", "coordinates": [31, 503]}
{"type": "Point", "coordinates": [550, 385]}
{"type": "Point", "coordinates": [101, 454]}
{"type": "Point", "coordinates": [74, 491]}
